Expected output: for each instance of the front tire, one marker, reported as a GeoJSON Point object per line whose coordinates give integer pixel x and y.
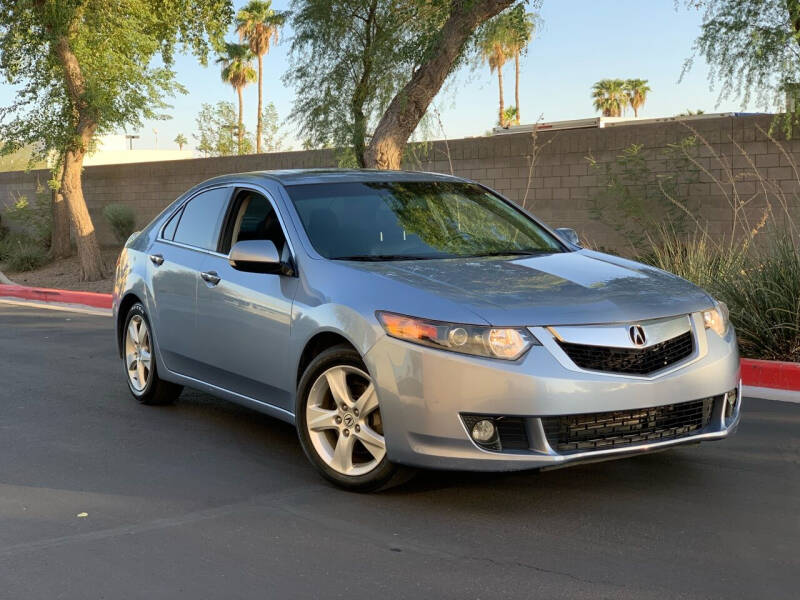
{"type": "Point", "coordinates": [339, 423]}
{"type": "Point", "coordinates": [139, 361]}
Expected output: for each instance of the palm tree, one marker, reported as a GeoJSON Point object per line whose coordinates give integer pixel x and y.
{"type": "Point", "coordinates": [238, 72]}
{"type": "Point", "coordinates": [493, 46]}
{"type": "Point", "coordinates": [181, 140]}
{"type": "Point", "coordinates": [258, 24]}
{"type": "Point", "coordinates": [522, 26]}
{"type": "Point", "coordinates": [610, 97]}
{"type": "Point", "coordinates": [510, 115]}
{"type": "Point", "coordinates": [636, 90]}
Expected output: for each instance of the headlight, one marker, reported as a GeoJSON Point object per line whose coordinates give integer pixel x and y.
{"type": "Point", "coordinates": [717, 318]}
{"type": "Point", "coordinates": [507, 343]}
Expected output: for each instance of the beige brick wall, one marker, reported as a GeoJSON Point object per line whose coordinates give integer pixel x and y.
{"type": "Point", "coordinates": [561, 183]}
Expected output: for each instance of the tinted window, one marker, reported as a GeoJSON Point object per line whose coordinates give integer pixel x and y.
{"type": "Point", "coordinates": [397, 220]}
{"type": "Point", "coordinates": [199, 225]}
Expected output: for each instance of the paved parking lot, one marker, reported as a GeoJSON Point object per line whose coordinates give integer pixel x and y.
{"type": "Point", "coordinates": [209, 500]}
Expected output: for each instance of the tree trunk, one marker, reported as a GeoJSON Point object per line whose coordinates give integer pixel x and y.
{"type": "Point", "coordinates": [260, 84]}
{"type": "Point", "coordinates": [516, 87]}
{"type": "Point", "coordinates": [60, 246]}
{"type": "Point", "coordinates": [502, 108]}
{"type": "Point", "coordinates": [405, 111]}
{"type": "Point", "coordinates": [240, 132]}
{"type": "Point", "coordinates": [88, 249]}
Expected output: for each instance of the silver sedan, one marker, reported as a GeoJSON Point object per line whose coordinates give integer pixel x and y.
{"type": "Point", "coordinates": [412, 319]}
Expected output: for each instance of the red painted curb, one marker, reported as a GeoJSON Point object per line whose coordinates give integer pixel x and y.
{"type": "Point", "coordinates": [771, 374]}
{"type": "Point", "coordinates": [64, 296]}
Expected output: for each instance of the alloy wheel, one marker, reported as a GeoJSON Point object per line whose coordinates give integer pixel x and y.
{"type": "Point", "coordinates": [344, 422]}
{"type": "Point", "coordinates": [138, 353]}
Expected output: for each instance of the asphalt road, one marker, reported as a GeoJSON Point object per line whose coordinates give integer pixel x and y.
{"type": "Point", "coordinates": [209, 500]}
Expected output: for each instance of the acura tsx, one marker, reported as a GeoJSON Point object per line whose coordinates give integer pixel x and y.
{"type": "Point", "coordinates": [403, 319]}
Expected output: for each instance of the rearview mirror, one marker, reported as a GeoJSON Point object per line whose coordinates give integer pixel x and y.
{"type": "Point", "coordinates": [255, 256]}
{"type": "Point", "coordinates": [569, 235]}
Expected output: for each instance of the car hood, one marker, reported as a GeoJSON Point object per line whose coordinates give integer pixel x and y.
{"type": "Point", "coordinates": [554, 289]}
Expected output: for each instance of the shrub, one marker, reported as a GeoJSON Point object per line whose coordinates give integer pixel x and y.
{"type": "Point", "coordinates": [22, 254]}
{"type": "Point", "coordinates": [765, 301]}
{"type": "Point", "coordinates": [34, 218]}
{"type": "Point", "coordinates": [760, 283]}
{"type": "Point", "coordinates": [122, 219]}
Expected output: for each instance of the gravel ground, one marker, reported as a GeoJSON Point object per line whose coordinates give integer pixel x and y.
{"type": "Point", "coordinates": [65, 275]}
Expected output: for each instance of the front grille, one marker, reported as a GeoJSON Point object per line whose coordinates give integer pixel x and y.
{"type": "Point", "coordinates": [629, 360]}
{"type": "Point", "coordinates": [619, 428]}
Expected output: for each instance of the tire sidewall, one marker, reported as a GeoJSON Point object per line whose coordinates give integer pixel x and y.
{"type": "Point", "coordinates": [336, 356]}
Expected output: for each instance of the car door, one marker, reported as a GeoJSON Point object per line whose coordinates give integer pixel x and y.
{"type": "Point", "coordinates": [176, 261]}
{"type": "Point", "coordinates": [244, 319]}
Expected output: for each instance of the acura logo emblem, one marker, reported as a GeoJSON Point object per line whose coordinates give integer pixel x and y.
{"type": "Point", "coordinates": [637, 335]}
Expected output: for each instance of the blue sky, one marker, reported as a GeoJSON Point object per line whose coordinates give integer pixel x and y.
{"type": "Point", "coordinates": [579, 42]}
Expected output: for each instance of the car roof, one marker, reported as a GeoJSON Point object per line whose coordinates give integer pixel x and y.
{"type": "Point", "coordinates": [289, 177]}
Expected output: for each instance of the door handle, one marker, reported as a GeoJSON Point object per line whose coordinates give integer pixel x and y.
{"type": "Point", "coordinates": [210, 277]}
{"type": "Point", "coordinates": [157, 259]}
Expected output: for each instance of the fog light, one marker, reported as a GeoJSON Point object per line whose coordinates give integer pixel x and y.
{"type": "Point", "coordinates": [483, 431]}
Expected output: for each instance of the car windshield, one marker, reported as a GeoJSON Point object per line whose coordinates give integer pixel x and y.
{"type": "Point", "coordinates": [417, 220]}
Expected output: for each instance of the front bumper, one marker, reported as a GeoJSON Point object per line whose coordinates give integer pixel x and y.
{"type": "Point", "coordinates": [423, 392]}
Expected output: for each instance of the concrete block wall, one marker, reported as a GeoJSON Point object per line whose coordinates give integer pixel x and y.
{"type": "Point", "coordinates": [559, 188]}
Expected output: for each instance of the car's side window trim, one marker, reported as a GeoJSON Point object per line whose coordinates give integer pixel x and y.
{"type": "Point", "coordinates": [238, 187]}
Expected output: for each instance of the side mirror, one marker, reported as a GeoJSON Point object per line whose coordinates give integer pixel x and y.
{"type": "Point", "coordinates": [569, 235]}
{"type": "Point", "coordinates": [255, 256]}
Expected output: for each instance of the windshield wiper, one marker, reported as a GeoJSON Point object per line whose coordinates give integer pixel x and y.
{"type": "Point", "coordinates": [384, 257]}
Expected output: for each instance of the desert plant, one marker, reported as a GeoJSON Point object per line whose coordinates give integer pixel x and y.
{"type": "Point", "coordinates": [34, 217]}
{"type": "Point", "coordinates": [636, 201]}
{"type": "Point", "coordinates": [764, 300]}
{"type": "Point", "coordinates": [20, 253]}
{"type": "Point", "coordinates": [122, 219]}
{"type": "Point", "coordinates": [760, 283]}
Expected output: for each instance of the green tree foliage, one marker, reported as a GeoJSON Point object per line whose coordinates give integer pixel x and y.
{"type": "Point", "coordinates": [259, 25]}
{"type": "Point", "coordinates": [636, 90]}
{"type": "Point", "coordinates": [217, 126]}
{"type": "Point", "coordinates": [181, 140]}
{"type": "Point", "coordinates": [610, 97]}
{"type": "Point", "coordinates": [237, 71]}
{"type": "Point", "coordinates": [87, 67]}
{"type": "Point", "coordinates": [494, 48]}
{"type": "Point", "coordinates": [503, 38]}
{"type": "Point", "coordinates": [271, 138]}
{"type": "Point", "coordinates": [20, 160]}
{"type": "Point", "coordinates": [348, 59]}
{"type": "Point", "coordinates": [366, 72]}
{"type": "Point", "coordinates": [635, 200]}
{"type": "Point", "coordinates": [753, 50]}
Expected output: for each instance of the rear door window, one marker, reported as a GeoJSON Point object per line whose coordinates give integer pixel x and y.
{"type": "Point", "coordinates": [200, 223]}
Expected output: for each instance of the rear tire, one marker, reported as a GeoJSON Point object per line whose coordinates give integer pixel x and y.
{"type": "Point", "coordinates": [140, 363]}
{"type": "Point", "coordinates": [339, 424]}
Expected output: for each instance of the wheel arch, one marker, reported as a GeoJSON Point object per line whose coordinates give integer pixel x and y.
{"type": "Point", "coordinates": [316, 345]}
{"type": "Point", "coordinates": [125, 304]}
